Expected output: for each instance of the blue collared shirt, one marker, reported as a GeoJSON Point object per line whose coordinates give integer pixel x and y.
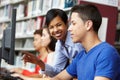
{"type": "Point", "coordinates": [62, 55]}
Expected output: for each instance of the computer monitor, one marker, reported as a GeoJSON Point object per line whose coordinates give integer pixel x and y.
{"type": "Point", "coordinates": [8, 40]}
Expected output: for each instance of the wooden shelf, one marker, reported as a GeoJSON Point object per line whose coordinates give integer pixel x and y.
{"type": "Point", "coordinates": [24, 36]}
{"type": "Point", "coordinates": [117, 45]}
{"type": "Point", "coordinates": [4, 20]}
{"type": "Point", "coordinates": [25, 49]}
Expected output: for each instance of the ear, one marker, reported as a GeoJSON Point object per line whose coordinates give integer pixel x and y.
{"type": "Point", "coordinates": [89, 24]}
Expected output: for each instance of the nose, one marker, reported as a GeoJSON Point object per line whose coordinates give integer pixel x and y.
{"type": "Point", "coordinates": [69, 28]}
{"type": "Point", "coordinates": [42, 38]}
{"type": "Point", "coordinates": [55, 29]}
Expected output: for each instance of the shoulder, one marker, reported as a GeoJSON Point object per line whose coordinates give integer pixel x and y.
{"type": "Point", "coordinates": [108, 54]}
{"type": "Point", "coordinates": [51, 54]}
{"type": "Point", "coordinates": [108, 50]}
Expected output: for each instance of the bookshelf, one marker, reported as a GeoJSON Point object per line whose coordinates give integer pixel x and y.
{"type": "Point", "coordinates": [117, 37]}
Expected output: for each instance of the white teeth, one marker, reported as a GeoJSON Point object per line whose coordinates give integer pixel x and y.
{"type": "Point", "coordinates": [57, 34]}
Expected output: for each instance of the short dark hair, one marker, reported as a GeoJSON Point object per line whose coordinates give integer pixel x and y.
{"type": "Point", "coordinates": [51, 14]}
{"type": "Point", "coordinates": [89, 12]}
{"type": "Point", "coordinates": [38, 31]}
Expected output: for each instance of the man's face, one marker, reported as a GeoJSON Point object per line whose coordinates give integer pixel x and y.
{"type": "Point", "coordinates": [58, 28]}
{"type": "Point", "coordinates": [77, 28]}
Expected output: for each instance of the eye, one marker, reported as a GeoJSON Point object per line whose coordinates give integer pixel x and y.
{"type": "Point", "coordinates": [51, 27]}
{"type": "Point", "coordinates": [72, 23]}
{"type": "Point", "coordinates": [59, 24]}
{"type": "Point", "coordinates": [35, 40]}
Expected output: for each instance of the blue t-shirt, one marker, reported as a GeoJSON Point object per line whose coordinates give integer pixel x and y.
{"type": "Point", "coordinates": [102, 60]}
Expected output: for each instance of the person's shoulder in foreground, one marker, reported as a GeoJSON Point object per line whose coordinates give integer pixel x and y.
{"type": "Point", "coordinates": [102, 60]}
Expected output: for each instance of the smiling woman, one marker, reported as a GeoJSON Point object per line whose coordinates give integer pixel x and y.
{"type": "Point", "coordinates": [66, 50]}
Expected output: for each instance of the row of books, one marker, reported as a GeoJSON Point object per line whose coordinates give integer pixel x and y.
{"type": "Point", "coordinates": [29, 26]}
{"type": "Point", "coordinates": [106, 2]}
{"type": "Point", "coordinates": [26, 27]}
{"type": "Point", "coordinates": [5, 2]}
{"type": "Point", "coordinates": [5, 12]}
{"type": "Point", "coordinates": [34, 7]}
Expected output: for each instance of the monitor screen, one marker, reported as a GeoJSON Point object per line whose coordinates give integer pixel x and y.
{"type": "Point", "coordinates": [8, 40]}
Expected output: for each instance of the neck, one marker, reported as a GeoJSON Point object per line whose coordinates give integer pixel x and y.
{"type": "Point", "coordinates": [91, 41]}
{"type": "Point", "coordinates": [43, 53]}
{"type": "Point", "coordinates": [48, 50]}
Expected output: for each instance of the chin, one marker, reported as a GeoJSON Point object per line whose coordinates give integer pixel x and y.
{"type": "Point", "coordinates": [59, 38]}
{"type": "Point", "coordinates": [74, 41]}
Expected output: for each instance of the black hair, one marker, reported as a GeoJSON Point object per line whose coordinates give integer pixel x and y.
{"type": "Point", "coordinates": [38, 31]}
{"type": "Point", "coordinates": [51, 14]}
{"type": "Point", "coordinates": [52, 43]}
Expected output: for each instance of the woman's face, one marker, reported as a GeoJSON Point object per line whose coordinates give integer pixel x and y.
{"type": "Point", "coordinates": [45, 37]}
{"type": "Point", "coordinates": [37, 42]}
{"type": "Point", "coordinates": [58, 28]}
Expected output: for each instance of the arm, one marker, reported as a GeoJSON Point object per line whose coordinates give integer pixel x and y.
{"type": "Point", "coordinates": [62, 76]}
{"type": "Point", "coordinates": [28, 78]}
{"type": "Point", "coordinates": [25, 72]}
{"type": "Point", "coordinates": [28, 57]}
{"type": "Point", "coordinates": [49, 70]}
{"type": "Point", "coordinates": [61, 57]}
{"type": "Point", "coordinates": [107, 65]}
{"type": "Point", "coordinates": [101, 78]}
{"type": "Point", "coordinates": [60, 61]}
{"type": "Point", "coordinates": [17, 70]}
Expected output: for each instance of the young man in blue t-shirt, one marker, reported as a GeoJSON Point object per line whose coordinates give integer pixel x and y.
{"type": "Point", "coordinates": [99, 60]}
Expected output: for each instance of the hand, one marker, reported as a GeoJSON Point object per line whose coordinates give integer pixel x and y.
{"type": "Point", "coordinates": [28, 57]}
{"type": "Point", "coordinates": [20, 76]}
{"type": "Point", "coordinates": [16, 70]}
